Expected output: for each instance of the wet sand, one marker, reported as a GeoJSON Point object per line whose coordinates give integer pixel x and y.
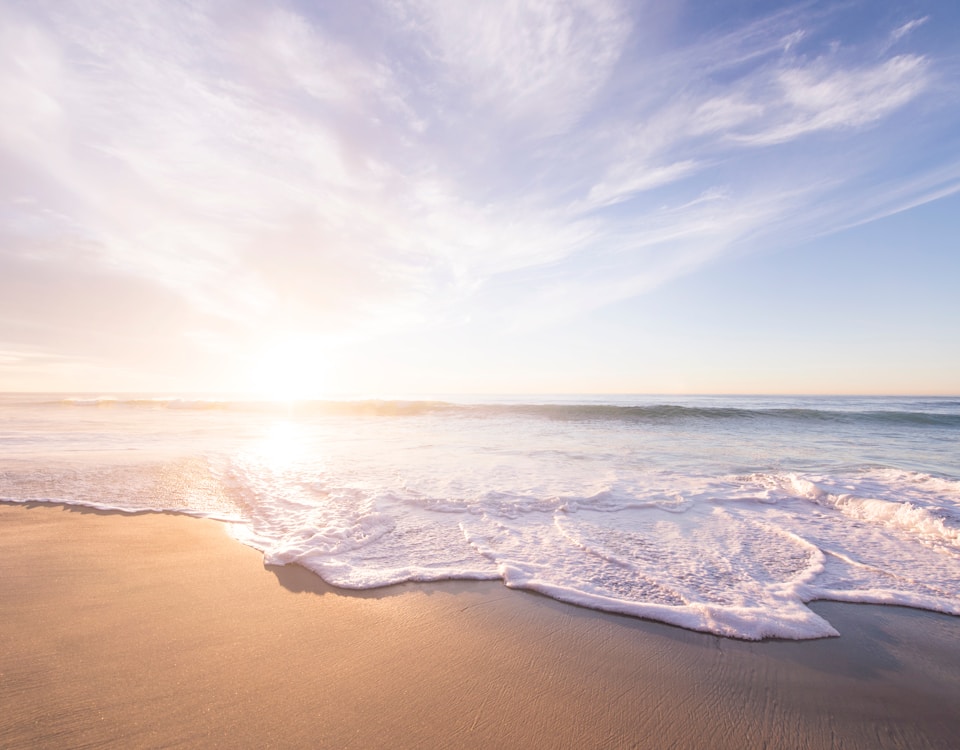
{"type": "Point", "coordinates": [161, 631]}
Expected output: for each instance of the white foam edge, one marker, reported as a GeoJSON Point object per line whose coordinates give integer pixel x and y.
{"type": "Point", "coordinates": [884, 596]}
{"type": "Point", "coordinates": [794, 621]}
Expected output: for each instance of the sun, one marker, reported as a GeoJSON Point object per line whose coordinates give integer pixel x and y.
{"type": "Point", "coordinates": [293, 368]}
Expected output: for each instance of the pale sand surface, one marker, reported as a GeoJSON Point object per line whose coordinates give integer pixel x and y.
{"type": "Point", "coordinates": [161, 631]}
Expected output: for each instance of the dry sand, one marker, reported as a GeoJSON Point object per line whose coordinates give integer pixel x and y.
{"type": "Point", "coordinates": [161, 631]}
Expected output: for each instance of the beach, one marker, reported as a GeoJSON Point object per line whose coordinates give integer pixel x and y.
{"type": "Point", "coordinates": [158, 630]}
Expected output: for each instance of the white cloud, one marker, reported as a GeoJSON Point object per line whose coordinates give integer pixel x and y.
{"type": "Point", "coordinates": [270, 169]}
{"type": "Point", "coordinates": [538, 62]}
{"type": "Point", "coordinates": [749, 43]}
{"type": "Point", "coordinates": [30, 84]}
{"type": "Point", "coordinates": [791, 40]}
{"type": "Point", "coordinates": [172, 169]}
{"type": "Point", "coordinates": [819, 97]}
{"type": "Point", "coordinates": [644, 253]}
{"type": "Point", "coordinates": [901, 31]}
{"type": "Point", "coordinates": [887, 198]}
{"type": "Point", "coordinates": [623, 181]}
{"type": "Point", "coordinates": [721, 114]}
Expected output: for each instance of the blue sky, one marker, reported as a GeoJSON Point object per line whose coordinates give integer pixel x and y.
{"type": "Point", "coordinates": [438, 197]}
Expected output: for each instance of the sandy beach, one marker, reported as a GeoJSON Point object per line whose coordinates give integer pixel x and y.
{"type": "Point", "coordinates": [161, 631]}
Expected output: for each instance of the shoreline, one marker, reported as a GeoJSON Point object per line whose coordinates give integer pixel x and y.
{"type": "Point", "coordinates": [155, 629]}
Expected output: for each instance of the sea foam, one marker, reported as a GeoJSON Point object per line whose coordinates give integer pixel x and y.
{"type": "Point", "coordinates": [723, 516]}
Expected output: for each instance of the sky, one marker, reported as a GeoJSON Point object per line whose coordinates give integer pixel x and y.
{"type": "Point", "coordinates": [382, 198]}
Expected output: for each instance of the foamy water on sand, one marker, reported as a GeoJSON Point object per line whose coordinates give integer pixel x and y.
{"type": "Point", "coordinates": [724, 515]}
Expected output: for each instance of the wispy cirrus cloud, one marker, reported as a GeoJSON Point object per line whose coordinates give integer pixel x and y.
{"type": "Point", "coordinates": [537, 64]}
{"type": "Point", "coordinates": [820, 97]}
{"type": "Point", "coordinates": [901, 31]}
{"type": "Point", "coordinates": [410, 164]}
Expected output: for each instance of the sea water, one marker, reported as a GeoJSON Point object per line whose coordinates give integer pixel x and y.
{"type": "Point", "coordinates": [720, 514]}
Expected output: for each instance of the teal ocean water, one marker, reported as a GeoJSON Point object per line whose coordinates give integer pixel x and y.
{"type": "Point", "coordinates": [720, 514]}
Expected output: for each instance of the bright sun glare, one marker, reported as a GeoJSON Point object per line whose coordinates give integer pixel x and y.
{"type": "Point", "coordinates": [291, 369]}
{"type": "Point", "coordinates": [282, 446]}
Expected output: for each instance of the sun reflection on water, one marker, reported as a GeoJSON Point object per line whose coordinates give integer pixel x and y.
{"type": "Point", "coordinates": [283, 445]}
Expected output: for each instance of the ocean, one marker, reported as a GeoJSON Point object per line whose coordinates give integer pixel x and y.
{"type": "Point", "coordinates": [725, 515]}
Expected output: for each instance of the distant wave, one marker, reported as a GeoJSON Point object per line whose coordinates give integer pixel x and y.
{"type": "Point", "coordinates": [923, 413]}
{"type": "Point", "coordinates": [670, 412]}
